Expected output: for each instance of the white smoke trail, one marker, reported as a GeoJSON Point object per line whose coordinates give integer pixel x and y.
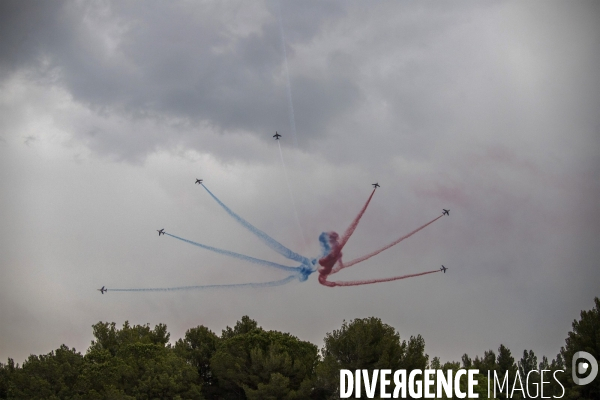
{"type": "Point", "coordinates": [287, 75]}
{"type": "Point", "coordinates": [287, 180]}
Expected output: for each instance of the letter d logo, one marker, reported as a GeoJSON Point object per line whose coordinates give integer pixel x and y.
{"type": "Point", "coordinates": [583, 367]}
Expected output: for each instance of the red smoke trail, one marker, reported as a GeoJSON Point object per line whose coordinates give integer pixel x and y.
{"type": "Point", "coordinates": [354, 223]}
{"type": "Point", "coordinates": [335, 254]}
{"type": "Point", "coordinates": [330, 241]}
{"type": "Point", "coordinates": [370, 281]}
{"type": "Point", "coordinates": [341, 265]}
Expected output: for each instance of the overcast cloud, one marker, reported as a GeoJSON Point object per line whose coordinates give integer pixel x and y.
{"type": "Point", "coordinates": [110, 110]}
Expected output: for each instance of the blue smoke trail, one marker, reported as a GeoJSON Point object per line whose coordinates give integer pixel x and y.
{"type": "Point", "coordinates": [256, 285]}
{"type": "Point", "coordinates": [239, 256]}
{"type": "Point", "coordinates": [268, 240]}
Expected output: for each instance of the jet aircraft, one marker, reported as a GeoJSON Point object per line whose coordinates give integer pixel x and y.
{"type": "Point", "coordinates": [445, 212]}
{"type": "Point", "coordinates": [443, 269]}
{"type": "Point", "coordinates": [199, 181]}
{"type": "Point", "coordinates": [102, 290]}
{"type": "Point", "coordinates": [375, 185]}
{"type": "Point", "coordinates": [160, 232]}
{"type": "Point", "coordinates": [276, 135]}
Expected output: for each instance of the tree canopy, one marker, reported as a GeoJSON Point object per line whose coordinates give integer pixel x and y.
{"type": "Point", "coordinates": [248, 362]}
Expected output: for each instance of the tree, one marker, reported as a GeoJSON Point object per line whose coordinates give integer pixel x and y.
{"type": "Point", "coordinates": [253, 363]}
{"type": "Point", "coordinates": [466, 361]}
{"type": "Point", "coordinates": [415, 357]}
{"type": "Point", "coordinates": [527, 364]}
{"type": "Point", "coordinates": [585, 336]}
{"type": "Point", "coordinates": [557, 368]}
{"type": "Point", "coordinates": [6, 375]}
{"type": "Point", "coordinates": [46, 376]}
{"type": "Point", "coordinates": [503, 365]}
{"type": "Point", "coordinates": [110, 338]}
{"type": "Point", "coordinates": [245, 325]}
{"type": "Point", "coordinates": [197, 348]}
{"type": "Point", "coordinates": [366, 344]}
{"type": "Point", "coordinates": [486, 363]}
{"type": "Point", "coordinates": [135, 362]}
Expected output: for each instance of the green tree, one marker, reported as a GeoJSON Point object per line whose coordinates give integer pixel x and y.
{"type": "Point", "coordinates": [253, 363]}
{"type": "Point", "coordinates": [454, 366]}
{"type": "Point", "coordinates": [135, 362]}
{"type": "Point", "coordinates": [50, 376]}
{"type": "Point", "coordinates": [466, 361]}
{"type": "Point", "coordinates": [197, 348]}
{"type": "Point", "coordinates": [585, 336]}
{"type": "Point", "coordinates": [487, 362]}
{"type": "Point", "coordinates": [245, 325]}
{"type": "Point", "coordinates": [527, 364]}
{"type": "Point", "coordinates": [505, 364]}
{"type": "Point", "coordinates": [553, 387]}
{"type": "Point", "coordinates": [6, 377]}
{"type": "Point", "coordinates": [366, 344]}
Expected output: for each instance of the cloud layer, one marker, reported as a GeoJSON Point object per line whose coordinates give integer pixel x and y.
{"type": "Point", "coordinates": [110, 110]}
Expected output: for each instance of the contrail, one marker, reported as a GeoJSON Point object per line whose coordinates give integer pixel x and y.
{"type": "Point", "coordinates": [238, 256]}
{"type": "Point", "coordinates": [291, 195]}
{"type": "Point", "coordinates": [287, 75]}
{"type": "Point", "coordinates": [370, 281]}
{"type": "Point", "coordinates": [268, 240]}
{"type": "Point", "coordinates": [257, 285]}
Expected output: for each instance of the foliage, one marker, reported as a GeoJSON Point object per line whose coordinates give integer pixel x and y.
{"type": "Point", "coordinates": [247, 362]}
{"type": "Point", "coordinates": [366, 344]}
{"type": "Point", "coordinates": [129, 363]}
{"type": "Point", "coordinates": [197, 348]}
{"type": "Point", "coordinates": [263, 364]}
{"type": "Point", "coordinates": [585, 336]}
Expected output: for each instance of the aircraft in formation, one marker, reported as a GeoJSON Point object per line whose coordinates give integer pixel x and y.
{"type": "Point", "coordinates": [276, 135]}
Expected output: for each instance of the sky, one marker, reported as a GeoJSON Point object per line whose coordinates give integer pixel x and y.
{"type": "Point", "coordinates": [109, 111]}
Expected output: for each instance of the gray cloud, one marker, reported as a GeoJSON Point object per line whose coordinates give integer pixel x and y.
{"type": "Point", "coordinates": [177, 61]}
{"type": "Point", "coordinates": [489, 109]}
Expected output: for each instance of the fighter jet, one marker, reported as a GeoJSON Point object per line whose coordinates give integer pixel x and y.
{"type": "Point", "coordinates": [276, 135]}
{"type": "Point", "coordinates": [102, 290]}
{"type": "Point", "coordinates": [198, 181]}
{"type": "Point", "coordinates": [160, 232]}
{"type": "Point", "coordinates": [375, 185]}
{"type": "Point", "coordinates": [443, 269]}
{"type": "Point", "coordinates": [445, 212]}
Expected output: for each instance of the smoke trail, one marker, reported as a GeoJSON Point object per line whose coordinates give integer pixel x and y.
{"type": "Point", "coordinates": [370, 281]}
{"type": "Point", "coordinates": [331, 260]}
{"type": "Point", "coordinates": [287, 75]}
{"type": "Point", "coordinates": [269, 241]}
{"type": "Point", "coordinates": [257, 285]}
{"type": "Point", "coordinates": [354, 223]}
{"type": "Point", "coordinates": [239, 256]}
{"type": "Point", "coordinates": [332, 247]}
{"type": "Point", "coordinates": [341, 265]}
{"type": "Point", "coordinates": [291, 196]}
